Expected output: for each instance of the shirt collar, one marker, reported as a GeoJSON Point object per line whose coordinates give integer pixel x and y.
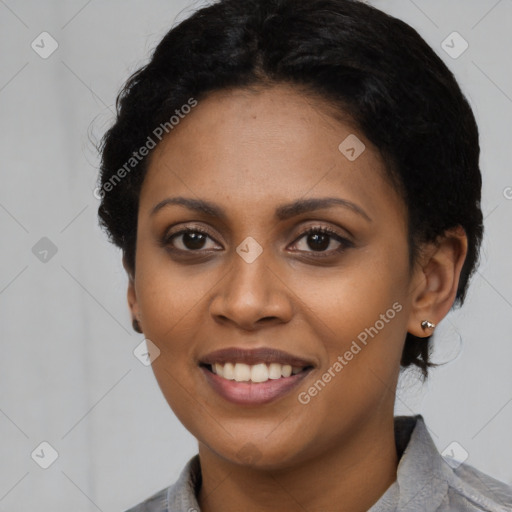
{"type": "Point", "coordinates": [422, 474]}
{"type": "Point", "coordinates": [421, 483]}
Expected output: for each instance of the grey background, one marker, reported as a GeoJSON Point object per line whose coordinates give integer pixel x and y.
{"type": "Point", "coordinates": [68, 375]}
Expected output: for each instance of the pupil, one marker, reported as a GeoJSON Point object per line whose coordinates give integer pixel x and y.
{"type": "Point", "coordinates": [324, 241]}
{"type": "Point", "coordinates": [193, 240]}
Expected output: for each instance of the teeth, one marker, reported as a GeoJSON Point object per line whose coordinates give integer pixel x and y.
{"type": "Point", "coordinates": [228, 372]}
{"type": "Point", "coordinates": [274, 371]}
{"type": "Point", "coordinates": [242, 372]}
{"type": "Point", "coordinates": [286, 370]}
{"type": "Point", "coordinates": [219, 369]}
{"type": "Point", "coordinates": [261, 372]}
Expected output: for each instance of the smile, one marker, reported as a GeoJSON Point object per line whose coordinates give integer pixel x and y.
{"type": "Point", "coordinates": [253, 377]}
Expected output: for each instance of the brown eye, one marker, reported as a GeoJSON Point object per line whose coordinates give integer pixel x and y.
{"type": "Point", "coordinates": [193, 240]}
{"type": "Point", "coordinates": [320, 239]}
{"type": "Point", "coordinates": [188, 240]}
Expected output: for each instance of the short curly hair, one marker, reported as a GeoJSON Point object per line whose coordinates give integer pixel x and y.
{"type": "Point", "coordinates": [361, 61]}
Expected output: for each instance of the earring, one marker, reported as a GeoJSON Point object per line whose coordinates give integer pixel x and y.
{"type": "Point", "coordinates": [427, 325]}
{"type": "Point", "coordinates": [136, 326]}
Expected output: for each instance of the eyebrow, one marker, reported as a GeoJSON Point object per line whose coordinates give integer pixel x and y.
{"type": "Point", "coordinates": [282, 212]}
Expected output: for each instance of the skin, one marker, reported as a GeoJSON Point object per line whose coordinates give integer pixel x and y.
{"type": "Point", "coordinates": [249, 152]}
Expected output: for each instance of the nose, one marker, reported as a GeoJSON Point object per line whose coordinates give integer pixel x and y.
{"type": "Point", "coordinates": [252, 295]}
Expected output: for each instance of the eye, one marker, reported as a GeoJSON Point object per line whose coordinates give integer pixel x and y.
{"type": "Point", "coordinates": [188, 240]}
{"type": "Point", "coordinates": [319, 239]}
{"type": "Point", "coordinates": [315, 239]}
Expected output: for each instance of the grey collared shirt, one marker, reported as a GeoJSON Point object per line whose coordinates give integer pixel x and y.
{"type": "Point", "coordinates": [426, 481]}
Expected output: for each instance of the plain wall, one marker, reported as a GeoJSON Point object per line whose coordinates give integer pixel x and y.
{"type": "Point", "coordinates": [68, 375]}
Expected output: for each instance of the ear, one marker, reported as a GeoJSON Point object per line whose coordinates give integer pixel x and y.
{"type": "Point", "coordinates": [131, 295]}
{"type": "Point", "coordinates": [436, 278]}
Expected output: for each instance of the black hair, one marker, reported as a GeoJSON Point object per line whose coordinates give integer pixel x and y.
{"type": "Point", "coordinates": [364, 63]}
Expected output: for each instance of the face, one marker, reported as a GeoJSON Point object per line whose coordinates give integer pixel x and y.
{"type": "Point", "coordinates": [271, 277]}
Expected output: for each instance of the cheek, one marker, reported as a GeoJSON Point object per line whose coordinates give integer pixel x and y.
{"type": "Point", "coordinates": [169, 300]}
{"type": "Point", "coordinates": [346, 302]}
{"type": "Point", "coordinates": [169, 295]}
{"type": "Point", "coordinates": [360, 314]}
{"type": "Point", "coordinates": [361, 325]}
{"type": "Point", "coordinates": [170, 305]}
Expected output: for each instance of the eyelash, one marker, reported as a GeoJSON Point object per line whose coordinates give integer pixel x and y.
{"type": "Point", "coordinates": [344, 242]}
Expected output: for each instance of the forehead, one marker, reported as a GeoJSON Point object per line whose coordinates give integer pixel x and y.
{"type": "Point", "coordinates": [264, 146]}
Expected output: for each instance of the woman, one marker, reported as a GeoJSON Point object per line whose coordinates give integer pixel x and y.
{"type": "Point", "coordinates": [295, 188]}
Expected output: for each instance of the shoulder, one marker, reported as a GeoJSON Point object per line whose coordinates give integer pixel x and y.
{"type": "Point", "coordinates": [470, 489]}
{"type": "Point", "coordinates": [156, 503]}
{"type": "Point", "coordinates": [430, 481]}
{"type": "Point", "coordinates": [178, 497]}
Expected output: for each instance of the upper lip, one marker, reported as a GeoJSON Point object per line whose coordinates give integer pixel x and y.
{"type": "Point", "coordinates": [254, 356]}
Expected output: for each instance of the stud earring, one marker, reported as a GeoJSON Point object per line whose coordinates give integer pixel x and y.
{"type": "Point", "coordinates": [426, 325]}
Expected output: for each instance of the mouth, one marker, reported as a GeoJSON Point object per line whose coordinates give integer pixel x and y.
{"type": "Point", "coordinates": [253, 377]}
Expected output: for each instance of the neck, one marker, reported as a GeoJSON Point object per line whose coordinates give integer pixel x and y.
{"type": "Point", "coordinates": [354, 474]}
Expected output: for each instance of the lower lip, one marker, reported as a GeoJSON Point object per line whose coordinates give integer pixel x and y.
{"type": "Point", "coordinates": [253, 393]}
